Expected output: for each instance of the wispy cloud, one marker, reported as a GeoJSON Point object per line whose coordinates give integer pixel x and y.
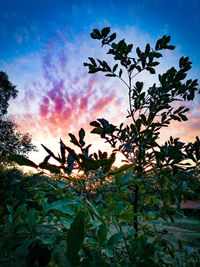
{"type": "Point", "coordinates": [65, 97]}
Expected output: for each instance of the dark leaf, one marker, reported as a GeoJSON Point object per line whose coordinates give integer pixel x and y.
{"type": "Point", "coordinates": [50, 153]}
{"type": "Point", "coordinates": [74, 140]}
{"type": "Point", "coordinates": [105, 31]}
{"type": "Point", "coordinates": [112, 37]}
{"type": "Point", "coordinates": [151, 70]}
{"type": "Point", "coordinates": [93, 61]}
{"type": "Point", "coordinates": [147, 49]}
{"type": "Point", "coordinates": [97, 130]}
{"type": "Point", "coordinates": [114, 239]}
{"type": "Point", "coordinates": [102, 233]}
{"type": "Point", "coordinates": [62, 149]}
{"type": "Point", "coordinates": [81, 136]}
{"type": "Point", "coordinates": [75, 237]}
{"type": "Point", "coordinates": [96, 34]}
{"type": "Point", "coordinates": [49, 167]}
{"type": "Point", "coordinates": [110, 75]}
{"type": "Point", "coordinates": [115, 67]}
{"type": "Point", "coordinates": [46, 159]}
{"type": "Point", "coordinates": [183, 117]}
{"type": "Point", "coordinates": [21, 160]}
{"type": "Point", "coordinates": [72, 153]}
{"type": "Point", "coordinates": [138, 51]}
{"type": "Point", "coordinates": [95, 124]}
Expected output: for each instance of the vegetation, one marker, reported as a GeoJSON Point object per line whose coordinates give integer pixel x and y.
{"type": "Point", "coordinates": [11, 140]}
{"type": "Point", "coordinates": [93, 214]}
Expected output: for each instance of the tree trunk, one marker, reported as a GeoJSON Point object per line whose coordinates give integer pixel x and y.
{"type": "Point", "coordinates": [135, 210]}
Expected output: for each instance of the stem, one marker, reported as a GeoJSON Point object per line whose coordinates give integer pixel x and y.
{"type": "Point", "coordinates": [135, 209]}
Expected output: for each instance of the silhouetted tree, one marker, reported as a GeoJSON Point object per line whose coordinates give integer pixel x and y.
{"type": "Point", "coordinates": [7, 90]}
{"type": "Point", "coordinates": [11, 140]}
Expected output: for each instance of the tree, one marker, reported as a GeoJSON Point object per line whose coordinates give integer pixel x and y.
{"type": "Point", "coordinates": [7, 91]}
{"type": "Point", "coordinates": [156, 167]}
{"type": "Point", "coordinates": [11, 140]}
{"type": "Point", "coordinates": [124, 198]}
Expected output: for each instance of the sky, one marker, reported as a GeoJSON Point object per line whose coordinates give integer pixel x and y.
{"type": "Point", "coordinates": [44, 44]}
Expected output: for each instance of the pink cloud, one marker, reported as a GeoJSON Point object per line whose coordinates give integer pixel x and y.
{"type": "Point", "coordinates": [67, 99]}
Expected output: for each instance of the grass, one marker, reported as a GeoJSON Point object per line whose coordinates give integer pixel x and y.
{"type": "Point", "coordinates": [187, 229]}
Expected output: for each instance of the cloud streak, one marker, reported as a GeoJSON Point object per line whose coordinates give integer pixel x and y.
{"type": "Point", "coordinates": [65, 97]}
{"type": "Point", "coordinates": [68, 97]}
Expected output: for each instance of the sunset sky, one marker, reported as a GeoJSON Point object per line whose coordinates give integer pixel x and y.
{"type": "Point", "coordinates": [43, 44]}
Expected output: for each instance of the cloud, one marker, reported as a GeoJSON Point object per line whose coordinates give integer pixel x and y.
{"type": "Point", "coordinates": [65, 97]}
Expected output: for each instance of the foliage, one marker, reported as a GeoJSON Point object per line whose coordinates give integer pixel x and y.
{"type": "Point", "coordinates": [71, 231]}
{"type": "Point", "coordinates": [11, 140]}
{"type": "Point", "coordinates": [114, 208]}
{"type": "Point", "coordinates": [7, 90]}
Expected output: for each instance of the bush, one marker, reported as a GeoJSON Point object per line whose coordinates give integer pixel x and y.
{"type": "Point", "coordinates": [100, 215]}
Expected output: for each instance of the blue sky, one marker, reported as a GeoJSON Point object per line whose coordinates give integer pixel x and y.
{"type": "Point", "coordinates": [45, 42]}
{"type": "Point", "coordinates": [27, 24]}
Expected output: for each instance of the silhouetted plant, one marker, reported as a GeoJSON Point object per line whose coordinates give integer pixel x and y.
{"type": "Point", "coordinates": [117, 227]}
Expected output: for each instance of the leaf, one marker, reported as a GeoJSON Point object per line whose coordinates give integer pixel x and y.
{"type": "Point", "coordinates": [72, 153]}
{"type": "Point", "coordinates": [105, 31]}
{"type": "Point", "coordinates": [138, 124]}
{"type": "Point", "coordinates": [70, 163]}
{"type": "Point", "coordinates": [112, 37]}
{"type": "Point", "coordinates": [75, 237]}
{"type": "Point", "coordinates": [10, 209]}
{"type": "Point", "coordinates": [151, 70]}
{"type": "Point", "coordinates": [22, 161]}
{"type": "Point", "coordinates": [170, 47]}
{"type": "Point", "coordinates": [74, 140]}
{"type": "Point", "coordinates": [92, 61]}
{"type": "Point", "coordinates": [132, 67]}
{"type": "Point", "coordinates": [157, 55]}
{"type": "Point", "coordinates": [143, 118]}
{"type": "Point", "coordinates": [183, 117]}
{"type": "Point", "coordinates": [129, 48]}
{"type": "Point", "coordinates": [175, 117]}
{"type": "Point", "coordinates": [46, 159]}
{"type": "Point", "coordinates": [139, 86]}
{"type": "Point", "coordinates": [95, 124]}
{"type": "Point", "coordinates": [62, 149]}
{"type": "Point", "coordinates": [138, 52]}
{"type": "Point", "coordinates": [147, 49]}
{"type": "Point", "coordinates": [89, 164]}
{"type": "Point", "coordinates": [106, 66]}
{"type": "Point", "coordinates": [50, 153]}
{"type": "Point", "coordinates": [115, 238]}
{"type": "Point", "coordinates": [96, 34]}
{"type": "Point", "coordinates": [81, 136]}
{"type": "Point", "coordinates": [111, 75]}
{"type": "Point", "coordinates": [115, 67]}
{"type": "Point", "coordinates": [97, 130]}
{"type": "Point", "coordinates": [61, 205]}
{"type": "Point", "coordinates": [94, 211]}
{"type": "Point", "coordinates": [50, 167]}
{"type": "Point", "coordinates": [102, 233]}
{"type": "Point", "coordinates": [126, 177]}
{"type": "Point", "coordinates": [47, 239]}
